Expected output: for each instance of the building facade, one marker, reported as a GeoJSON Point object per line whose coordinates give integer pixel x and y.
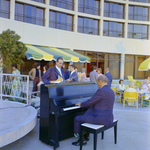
{"type": "Point", "coordinates": [113, 33]}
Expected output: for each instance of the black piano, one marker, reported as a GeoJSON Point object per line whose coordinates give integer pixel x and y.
{"type": "Point", "coordinates": [58, 110]}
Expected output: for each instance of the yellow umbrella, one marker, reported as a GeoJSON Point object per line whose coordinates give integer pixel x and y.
{"type": "Point", "coordinates": [145, 65]}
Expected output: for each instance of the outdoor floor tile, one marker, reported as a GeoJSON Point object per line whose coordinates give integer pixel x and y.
{"type": "Point", "coordinates": [133, 134]}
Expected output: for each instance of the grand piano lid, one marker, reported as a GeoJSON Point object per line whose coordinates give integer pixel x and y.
{"type": "Point", "coordinates": [69, 84]}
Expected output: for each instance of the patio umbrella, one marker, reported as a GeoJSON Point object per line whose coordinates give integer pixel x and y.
{"type": "Point", "coordinates": [145, 65]}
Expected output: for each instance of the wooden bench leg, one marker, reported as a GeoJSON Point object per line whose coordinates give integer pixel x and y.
{"type": "Point", "coordinates": [81, 137]}
{"type": "Point", "coordinates": [95, 141]}
{"type": "Point", "coordinates": [102, 135]}
{"type": "Point", "coordinates": [115, 133]}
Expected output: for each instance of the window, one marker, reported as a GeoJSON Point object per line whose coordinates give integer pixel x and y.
{"type": "Point", "coordinates": [66, 4]}
{"type": "Point", "coordinates": [129, 66]}
{"type": "Point", "coordinates": [113, 29]}
{"type": "Point", "coordinates": [88, 26]}
{"type": "Point", "coordinates": [29, 14]}
{"type": "Point", "coordinates": [138, 13]}
{"type": "Point", "coordinates": [144, 1]}
{"type": "Point", "coordinates": [101, 60]}
{"type": "Point", "coordinates": [132, 63]}
{"type": "Point", "coordinates": [113, 10]}
{"type": "Point", "coordinates": [41, 1]}
{"type": "Point", "coordinates": [138, 60]}
{"type": "Point", "coordinates": [19, 12]}
{"type": "Point", "coordinates": [4, 8]}
{"type": "Point", "coordinates": [137, 31]}
{"type": "Point", "coordinates": [89, 6]}
{"type": "Point", "coordinates": [114, 65]}
{"type": "Point", "coordinates": [60, 21]}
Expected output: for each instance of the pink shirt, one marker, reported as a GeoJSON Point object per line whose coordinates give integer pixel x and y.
{"type": "Point", "coordinates": [83, 78]}
{"type": "Point", "coordinates": [145, 87]}
{"type": "Point", "coordinates": [100, 74]}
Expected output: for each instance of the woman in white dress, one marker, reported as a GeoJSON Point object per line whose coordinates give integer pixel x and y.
{"type": "Point", "coordinates": [121, 88]}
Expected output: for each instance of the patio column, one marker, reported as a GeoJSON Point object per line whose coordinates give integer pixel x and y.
{"type": "Point", "coordinates": [102, 15]}
{"type": "Point", "coordinates": [75, 24]}
{"type": "Point", "coordinates": [12, 9]}
{"type": "Point", "coordinates": [106, 64]}
{"type": "Point", "coordinates": [122, 65]}
{"type": "Point", "coordinates": [126, 20]}
{"type": "Point", "coordinates": [135, 67]}
{"type": "Point", "coordinates": [46, 21]}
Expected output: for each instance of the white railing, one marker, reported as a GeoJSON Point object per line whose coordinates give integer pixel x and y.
{"type": "Point", "coordinates": [15, 87]}
{"type": "Point", "coordinates": [30, 96]}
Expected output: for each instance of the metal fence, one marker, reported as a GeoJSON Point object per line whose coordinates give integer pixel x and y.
{"type": "Point", "coordinates": [14, 87]}
{"type": "Point", "coordinates": [63, 4]}
{"type": "Point", "coordinates": [138, 35]}
{"type": "Point", "coordinates": [34, 100]}
{"type": "Point", "coordinates": [29, 19]}
{"type": "Point", "coordinates": [4, 13]}
{"type": "Point", "coordinates": [140, 17]}
{"type": "Point", "coordinates": [40, 1]}
{"type": "Point", "coordinates": [61, 25]}
{"type": "Point", "coordinates": [113, 33]}
{"type": "Point", "coordinates": [114, 14]}
{"type": "Point", "coordinates": [88, 30]}
{"type": "Point", "coordinates": [89, 9]}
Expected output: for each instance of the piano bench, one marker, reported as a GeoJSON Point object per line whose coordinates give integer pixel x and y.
{"type": "Point", "coordinates": [95, 129]}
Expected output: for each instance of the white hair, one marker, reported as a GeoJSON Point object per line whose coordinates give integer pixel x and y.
{"type": "Point", "coordinates": [102, 78]}
{"type": "Point", "coordinates": [83, 70]}
{"type": "Point", "coordinates": [131, 84]}
{"type": "Point", "coordinates": [107, 68]}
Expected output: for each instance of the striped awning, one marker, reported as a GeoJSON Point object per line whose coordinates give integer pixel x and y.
{"type": "Point", "coordinates": [52, 53]}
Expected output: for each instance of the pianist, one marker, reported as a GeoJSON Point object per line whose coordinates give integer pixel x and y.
{"type": "Point", "coordinates": [54, 73]}
{"type": "Point", "coordinates": [100, 109]}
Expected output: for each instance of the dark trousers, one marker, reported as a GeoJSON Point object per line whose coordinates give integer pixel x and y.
{"type": "Point", "coordinates": [35, 82]}
{"type": "Point", "coordinates": [78, 120]}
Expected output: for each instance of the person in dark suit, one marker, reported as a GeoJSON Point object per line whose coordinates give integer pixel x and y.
{"type": "Point", "coordinates": [109, 76]}
{"type": "Point", "coordinates": [73, 75]}
{"type": "Point", "coordinates": [54, 73]}
{"type": "Point", "coordinates": [67, 73]}
{"type": "Point", "coordinates": [100, 109]}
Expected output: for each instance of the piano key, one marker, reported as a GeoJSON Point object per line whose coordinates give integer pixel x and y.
{"type": "Point", "coordinates": [70, 102]}
{"type": "Point", "coordinates": [71, 108]}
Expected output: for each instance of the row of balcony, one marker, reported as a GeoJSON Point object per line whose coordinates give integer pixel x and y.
{"type": "Point", "coordinates": [81, 29]}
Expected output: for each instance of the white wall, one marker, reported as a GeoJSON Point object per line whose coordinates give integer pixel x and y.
{"type": "Point", "coordinates": [45, 36]}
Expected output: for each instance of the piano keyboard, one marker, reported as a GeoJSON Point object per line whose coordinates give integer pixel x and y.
{"type": "Point", "coordinates": [71, 108]}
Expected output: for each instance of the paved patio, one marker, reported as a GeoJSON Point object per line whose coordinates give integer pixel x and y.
{"type": "Point", "coordinates": [133, 134]}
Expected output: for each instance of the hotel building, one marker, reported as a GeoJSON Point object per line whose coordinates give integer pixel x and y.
{"type": "Point", "coordinates": [113, 33]}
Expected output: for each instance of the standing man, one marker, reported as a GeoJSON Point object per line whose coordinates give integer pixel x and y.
{"type": "Point", "coordinates": [100, 109]}
{"type": "Point", "coordinates": [109, 76]}
{"type": "Point", "coordinates": [35, 75]}
{"type": "Point", "coordinates": [73, 76]}
{"type": "Point", "coordinates": [76, 69]}
{"type": "Point", "coordinates": [67, 73]}
{"type": "Point", "coordinates": [54, 73]}
{"type": "Point", "coordinates": [63, 67]}
{"type": "Point", "coordinates": [94, 75]}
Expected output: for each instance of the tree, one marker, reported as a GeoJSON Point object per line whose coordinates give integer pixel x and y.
{"type": "Point", "coordinates": [11, 49]}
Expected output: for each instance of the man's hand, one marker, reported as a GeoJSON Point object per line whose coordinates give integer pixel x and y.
{"type": "Point", "coordinates": [69, 80]}
{"type": "Point", "coordinates": [78, 104]}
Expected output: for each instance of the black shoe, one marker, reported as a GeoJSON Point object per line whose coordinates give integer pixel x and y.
{"type": "Point", "coordinates": [77, 143]}
{"type": "Point", "coordinates": [86, 137]}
